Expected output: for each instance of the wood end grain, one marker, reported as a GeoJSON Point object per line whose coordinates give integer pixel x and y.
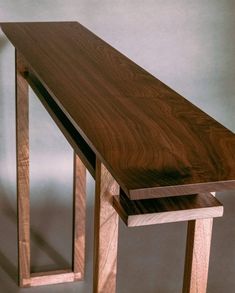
{"type": "Point", "coordinates": [53, 277]}
{"type": "Point", "coordinates": [167, 210]}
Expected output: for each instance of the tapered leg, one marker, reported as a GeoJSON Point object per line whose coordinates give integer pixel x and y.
{"type": "Point", "coordinates": [106, 232]}
{"type": "Point", "coordinates": [197, 256]}
{"type": "Point", "coordinates": [22, 153]}
{"type": "Point", "coordinates": [79, 217]}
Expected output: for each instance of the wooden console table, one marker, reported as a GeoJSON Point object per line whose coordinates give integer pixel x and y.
{"type": "Point", "coordinates": [141, 141]}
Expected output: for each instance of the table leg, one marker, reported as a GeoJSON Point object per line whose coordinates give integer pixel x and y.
{"type": "Point", "coordinates": [197, 256]}
{"type": "Point", "coordinates": [26, 278]}
{"type": "Point", "coordinates": [79, 217]}
{"type": "Point", "coordinates": [106, 232]}
{"type": "Point", "coordinates": [22, 161]}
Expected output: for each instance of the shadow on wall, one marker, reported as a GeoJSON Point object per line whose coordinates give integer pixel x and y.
{"type": "Point", "coordinates": [3, 42]}
{"type": "Point", "coordinates": [8, 219]}
{"type": "Point", "coordinates": [7, 264]}
{"type": "Point", "coordinates": [8, 244]}
{"type": "Point", "coordinates": [3, 102]}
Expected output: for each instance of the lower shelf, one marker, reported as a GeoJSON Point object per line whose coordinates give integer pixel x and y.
{"type": "Point", "coordinates": [167, 209]}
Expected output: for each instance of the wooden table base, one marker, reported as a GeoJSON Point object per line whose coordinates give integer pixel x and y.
{"type": "Point", "coordinates": [106, 218]}
{"type": "Point", "coordinates": [197, 256]}
{"type": "Point", "coordinates": [198, 210]}
{"type": "Point", "coordinates": [106, 232]}
{"type": "Point", "coordinates": [26, 278]}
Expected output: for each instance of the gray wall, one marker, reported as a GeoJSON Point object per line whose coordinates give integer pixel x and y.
{"type": "Point", "coordinates": [187, 44]}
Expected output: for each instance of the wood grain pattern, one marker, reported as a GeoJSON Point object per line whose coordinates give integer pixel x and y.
{"type": "Point", "coordinates": [22, 161]}
{"type": "Point", "coordinates": [167, 210]}
{"type": "Point", "coordinates": [26, 278]}
{"type": "Point", "coordinates": [106, 232]}
{"type": "Point", "coordinates": [53, 277]}
{"type": "Point", "coordinates": [79, 217]}
{"type": "Point", "coordinates": [197, 256]}
{"type": "Point", "coordinates": [153, 141]}
{"type": "Point", "coordinates": [66, 127]}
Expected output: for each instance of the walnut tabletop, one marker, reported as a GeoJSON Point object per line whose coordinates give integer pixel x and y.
{"type": "Point", "coordinates": [153, 141]}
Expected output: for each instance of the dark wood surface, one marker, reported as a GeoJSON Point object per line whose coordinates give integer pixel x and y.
{"type": "Point", "coordinates": [153, 141]}
{"type": "Point", "coordinates": [166, 210]}
{"type": "Point", "coordinates": [64, 124]}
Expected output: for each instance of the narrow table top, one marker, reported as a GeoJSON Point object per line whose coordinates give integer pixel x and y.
{"type": "Point", "coordinates": [153, 141]}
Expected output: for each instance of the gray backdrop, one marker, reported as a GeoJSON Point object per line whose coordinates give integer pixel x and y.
{"type": "Point", "coordinates": [189, 45]}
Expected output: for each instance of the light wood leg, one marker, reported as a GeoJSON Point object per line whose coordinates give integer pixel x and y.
{"type": "Point", "coordinates": [197, 256]}
{"type": "Point", "coordinates": [106, 232]}
{"type": "Point", "coordinates": [79, 217]}
{"type": "Point", "coordinates": [22, 151]}
{"type": "Point", "coordinates": [26, 278]}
